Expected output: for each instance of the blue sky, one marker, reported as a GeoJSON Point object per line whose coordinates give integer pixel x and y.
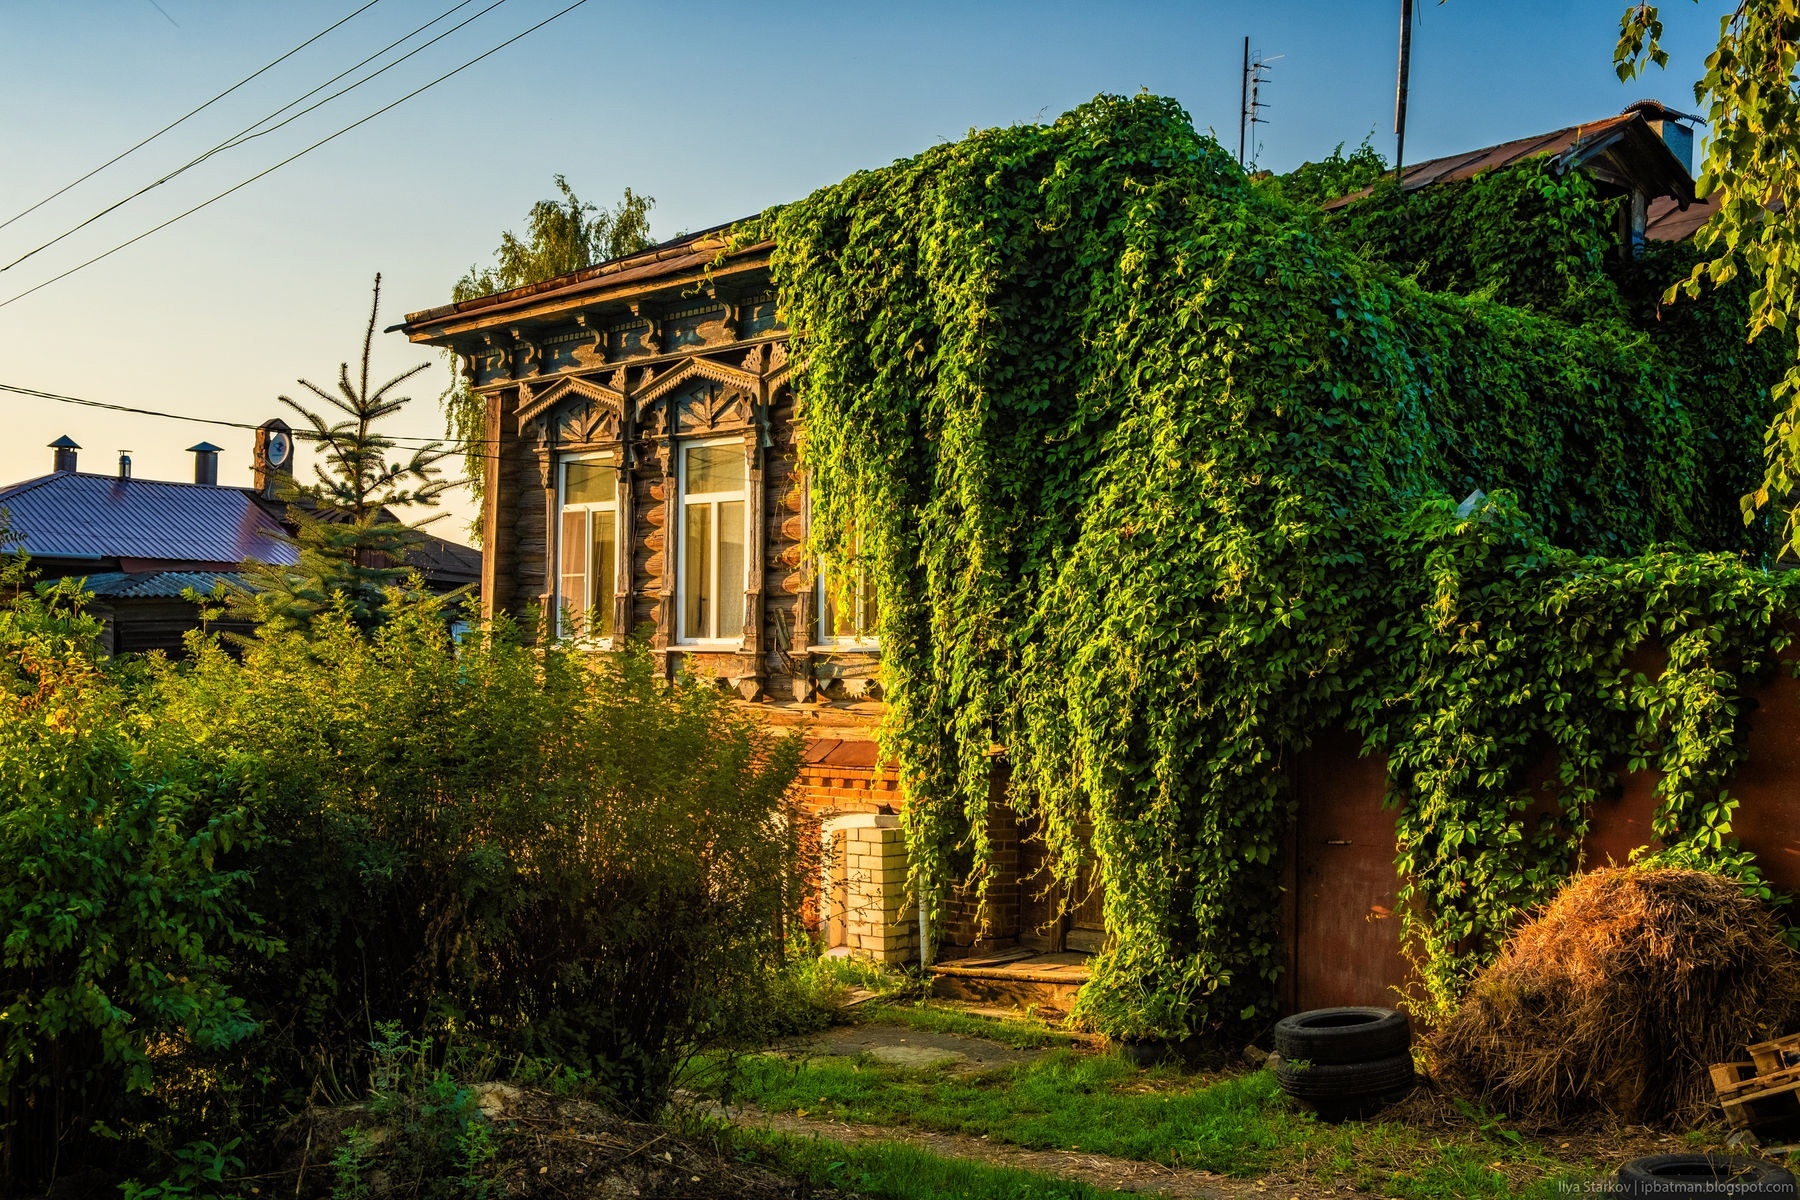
{"type": "Point", "coordinates": [715, 109]}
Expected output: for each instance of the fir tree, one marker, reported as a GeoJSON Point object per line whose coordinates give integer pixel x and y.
{"type": "Point", "coordinates": [351, 547]}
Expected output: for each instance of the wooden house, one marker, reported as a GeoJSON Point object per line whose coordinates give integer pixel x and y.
{"type": "Point", "coordinates": [640, 475]}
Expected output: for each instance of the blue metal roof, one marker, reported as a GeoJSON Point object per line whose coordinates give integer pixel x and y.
{"type": "Point", "coordinates": [158, 585]}
{"type": "Point", "coordinates": [72, 515]}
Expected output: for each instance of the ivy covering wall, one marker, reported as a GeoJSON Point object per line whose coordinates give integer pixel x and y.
{"type": "Point", "coordinates": [1157, 470]}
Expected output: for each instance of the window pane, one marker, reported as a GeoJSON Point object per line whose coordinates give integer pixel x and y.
{"type": "Point", "coordinates": [715, 469]}
{"type": "Point", "coordinates": [828, 604]}
{"type": "Point", "coordinates": [865, 585]}
{"type": "Point", "coordinates": [696, 571]}
{"type": "Point", "coordinates": [571, 598]}
{"type": "Point", "coordinates": [837, 614]}
{"type": "Point", "coordinates": [593, 481]}
{"type": "Point", "coordinates": [731, 569]}
{"type": "Point", "coordinates": [605, 566]}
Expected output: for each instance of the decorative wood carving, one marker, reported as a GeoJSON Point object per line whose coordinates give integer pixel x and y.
{"type": "Point", "coordinates": [533, 360]}
{"type": "Point", "coordinates": [537, 399]}
{"type": "Point", "coordinates": [653, 327]}
{"type": "Point", "coordinates": [595, 330]}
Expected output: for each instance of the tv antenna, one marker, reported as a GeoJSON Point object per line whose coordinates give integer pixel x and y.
{"type": "Point", "coordinates": [1250, 105]}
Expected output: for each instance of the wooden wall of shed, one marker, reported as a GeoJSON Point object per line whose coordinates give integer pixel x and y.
{"type": "Point", "coordinates": [1344, 836]}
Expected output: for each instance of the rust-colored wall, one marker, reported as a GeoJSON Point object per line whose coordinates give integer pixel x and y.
{"type": "Point", "coordinates": [1342, 949]}
{"type": "Point", "coordinates": [1768, 786]}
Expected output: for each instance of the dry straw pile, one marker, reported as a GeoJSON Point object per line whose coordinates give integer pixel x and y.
{"type": "Point", "coordinates": [1617, 997]}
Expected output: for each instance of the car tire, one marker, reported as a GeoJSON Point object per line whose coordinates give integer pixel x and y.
{"type": "Point", "coordinates": [1316, 1081]}
{"type": "Point", "coordinates": [1698, 1175]}
{"type": "Point", "coordinates": [1343, 1035]}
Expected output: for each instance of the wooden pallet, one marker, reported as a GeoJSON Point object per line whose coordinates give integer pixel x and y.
{"type": "Point", "coordinates": [1764, 1091]}
{"type": "Point", "coordinates": [1773, 1056]}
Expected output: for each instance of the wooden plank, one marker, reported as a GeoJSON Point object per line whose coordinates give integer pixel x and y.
{"type": "Point", "coordinates": [1748, 1082]}
{"type": "Point", "coordinates": [1775, 1054]}
{"type": "Point", "coordinates": [1727, 1076]}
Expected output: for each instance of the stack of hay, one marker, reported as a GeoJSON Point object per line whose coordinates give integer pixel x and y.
{"type": "Point", "coordinates": [1618, 996]}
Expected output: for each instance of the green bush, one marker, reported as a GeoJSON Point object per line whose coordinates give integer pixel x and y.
{"type": "Point", "coordinates": [562, 854]}
{"type": "Point", "coordinates": [217, 876]}
{"type": "Point", "coordinates": [122, 885]}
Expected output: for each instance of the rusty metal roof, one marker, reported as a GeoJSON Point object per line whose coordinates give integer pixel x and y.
{"type": "Point", "coordinates": [1667, 221]}
{"type": "Point", "coordinates": [691, 252]}
{"type": "Point", "coordinates": [73, 515]}
{"type": "Point", "coordinates": [1626, 142]}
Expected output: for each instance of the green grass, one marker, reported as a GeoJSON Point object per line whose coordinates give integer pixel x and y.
{"type": "Point", "coordinates": [895, 1170]}
{"type": "Point", "coordinates": [1100, 1104]}
{"type": "Point", "coordinates": [1023, 1034]}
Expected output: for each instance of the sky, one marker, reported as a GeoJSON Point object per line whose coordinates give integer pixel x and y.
{"type": "Point", "coordinates": [714, 109]}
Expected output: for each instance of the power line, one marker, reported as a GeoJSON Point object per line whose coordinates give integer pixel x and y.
{"type": "Point", "coordinates": [245, 134]}
{"type": "Point", "coordinates": [290, 158]}
{"type": "Point", "coordinates": [178, 120]}
{"type": "Point", "coordinates": [37, 394]}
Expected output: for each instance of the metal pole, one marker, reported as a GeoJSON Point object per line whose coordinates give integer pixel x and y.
{"type": "Point", "coordinates": [1406, 23]}
{"type": "Point", "coordinates": [1244, 102]}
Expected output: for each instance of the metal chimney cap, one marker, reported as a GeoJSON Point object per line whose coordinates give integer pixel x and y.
{"type": "Point", "coordinates": [1656, 110]}
{"type": "Point", "coordinates": [206, 448]}
{"type": "Point", "coordinates": [65, 442]}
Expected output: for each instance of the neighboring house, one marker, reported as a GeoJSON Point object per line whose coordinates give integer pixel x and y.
{"type": "Point", "coordinates": [1644, 155]}
{"type": "Point", "coordinates": [641, 470]}
{"type": "Point", "coordinates": [140, 544]}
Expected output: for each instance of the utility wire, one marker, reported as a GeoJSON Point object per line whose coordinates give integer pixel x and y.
{"type": "Point", "coordinates": [245, 134]}
{"type": "Point", "coordinates": [290, 158]}
{"type": "Point", "coordinates": [303, 434]}
{"type": "Point", "coordinates": [178, 120]}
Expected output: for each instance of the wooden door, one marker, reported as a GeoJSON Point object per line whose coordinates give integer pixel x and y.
{"type": "Point", "coordinates": [1344, 935]}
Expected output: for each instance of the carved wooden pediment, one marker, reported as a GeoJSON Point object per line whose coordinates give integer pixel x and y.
{"type": "Point", "coordinates": [705, 405]}
{"type": "Point", "coordinates": [535, 400]}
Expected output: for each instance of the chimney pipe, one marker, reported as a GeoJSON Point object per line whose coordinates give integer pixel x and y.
{"type": "Point", "coordinates": [124, 464]}
{"type": "Point", "coordinates": [65, 448]}
{"type": "Point", "coordinates": [206, 463]}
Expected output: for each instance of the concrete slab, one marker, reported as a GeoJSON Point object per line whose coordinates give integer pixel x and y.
{"type": "Point", "coordinates": [911, 1048]}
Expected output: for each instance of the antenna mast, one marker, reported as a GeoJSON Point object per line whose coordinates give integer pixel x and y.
{"type": "Point", "coordinates": [1406, 24]}
{"type": "Point", "coordinates": [1249, 105]}
{"type": "Point", "coordinates": [1244, 101]}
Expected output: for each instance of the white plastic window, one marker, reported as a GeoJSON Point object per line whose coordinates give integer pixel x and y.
{"type": "Point", "coordinates": [587, 547]}
{"type": "Point", "coordinates": [714, 539]}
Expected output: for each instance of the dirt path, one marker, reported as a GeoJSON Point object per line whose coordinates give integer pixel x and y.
{"type": "Point", "coordinates": [1119, 1174]}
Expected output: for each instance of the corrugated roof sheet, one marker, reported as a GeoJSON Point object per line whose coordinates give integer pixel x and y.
{"type": "Point", "coordinates": [1574, 145]}
{"type": "Point", "coordinates": [158, 585]}
{"type": "Point", "coordinates": [70, 514]}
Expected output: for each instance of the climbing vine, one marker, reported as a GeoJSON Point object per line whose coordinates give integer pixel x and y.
{"type": "Point", "coordinates": [1157, 471]}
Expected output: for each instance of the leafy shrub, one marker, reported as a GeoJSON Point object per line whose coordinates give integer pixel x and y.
{"type": "Point", "coordinates": [428, 1137]}
{"type": "Point", "coordinates": [564, 854]}
{"type": "Point", "coordinates": [122, 884]}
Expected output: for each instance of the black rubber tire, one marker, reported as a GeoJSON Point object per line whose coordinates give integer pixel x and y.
{"type": "Point", "coordinates": [1673, 1175]}
{"type": "Point", "coordinates": [1344, 1081]}
{"type": "Point", "coordinates": [1343, 1035]}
